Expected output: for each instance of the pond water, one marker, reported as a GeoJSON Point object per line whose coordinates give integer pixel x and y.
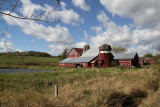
{"type": "Point", "coordinates": [22, 70]}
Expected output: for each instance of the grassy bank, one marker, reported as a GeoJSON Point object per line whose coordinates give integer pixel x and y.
{"type": "Point", "coordinates": [13, 61]}
{"type": "Point", "coordinates": [83, 87]}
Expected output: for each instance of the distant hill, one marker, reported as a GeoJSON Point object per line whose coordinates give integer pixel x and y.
{"type": "Point", "coordinates": [28, 53]}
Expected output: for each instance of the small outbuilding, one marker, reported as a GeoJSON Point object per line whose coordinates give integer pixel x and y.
{"type": "Point", "coordinates": [127, 59]}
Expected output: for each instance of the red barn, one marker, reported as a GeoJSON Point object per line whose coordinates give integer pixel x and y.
{"type": "Point", "coordinates": [95, 57]}
{"type": "Point", "coordinates": [146, 61]}
{"type": "Point", "coordinates": [127, 59]}
{"type": "Point", "coordinates": [149, 60]}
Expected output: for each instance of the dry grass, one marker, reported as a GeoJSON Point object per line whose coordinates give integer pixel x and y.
{"type": "Point", "coordinates": [91, 88]}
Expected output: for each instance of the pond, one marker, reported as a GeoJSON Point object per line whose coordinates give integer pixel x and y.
{"type": "Point", "coordinates": [22, 70]}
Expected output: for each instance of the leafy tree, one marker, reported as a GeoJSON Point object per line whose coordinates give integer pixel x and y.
{"type": "Point", "coordinates": [117, 50]}
{"type": "Point", "coordinates": [157, 58]}
{"type": "Point", "coordinates": [114, 63]}
{"type": "Point", "coordinates": [149, 55]}
{"type": "Point", "coordinates": [64, 53]}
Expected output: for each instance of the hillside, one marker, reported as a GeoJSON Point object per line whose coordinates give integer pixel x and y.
{"type": "Point", "coordinates": [26, 61]}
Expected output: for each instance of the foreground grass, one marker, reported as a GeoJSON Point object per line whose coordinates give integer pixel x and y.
{"type": "Point", "coordinates": [82, 87]}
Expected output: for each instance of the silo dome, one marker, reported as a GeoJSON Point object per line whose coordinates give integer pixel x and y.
{"type": "Point", "coordinates": [105, 47]}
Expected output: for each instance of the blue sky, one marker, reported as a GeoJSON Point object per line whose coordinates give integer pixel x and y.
{"type": "Point", "coordinates": [127, 23]}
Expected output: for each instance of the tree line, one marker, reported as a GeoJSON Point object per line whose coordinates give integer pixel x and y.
{"type": "Point", "coordinates": [28, 53]}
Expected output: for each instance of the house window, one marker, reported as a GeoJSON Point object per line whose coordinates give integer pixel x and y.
{"type": "Point", "coordinates": [66, 63]}
{"type": "Point", "coordinates": [84, 64]}
{"type": "Point", "coordinates": [72, 64]}
{"type": "Point", "coordinates": [62, 64]}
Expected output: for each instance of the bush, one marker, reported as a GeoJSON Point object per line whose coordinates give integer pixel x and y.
{"type": "Point", "coordinates": [114, 63]}
{"type": "Point", "coordinates": [138, 93]}
{"type": "Point", "coordinates": [153, 84]}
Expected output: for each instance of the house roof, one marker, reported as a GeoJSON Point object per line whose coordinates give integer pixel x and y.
{"type": "Point", "coordinates": [79, 50]}
{"type": "Point", "coordinates": [125, 56]}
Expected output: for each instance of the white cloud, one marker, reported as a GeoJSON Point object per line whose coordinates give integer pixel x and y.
{"type": "Point", "coordinates": [86, 36]}
{"type": "Point", "coordinates": [80, 44]}
{"type": "Point", "coordinates": [56, 35]}
{"type": "Point", "coordinates": [7, 46]}
{"type": "Point", "coordinates": [139, 40]}
{"type": "Point", "coordinates": [102, 17]}
{"type": "Point", "coordinates": [81, 4]}
{"type": "Point", "coordinates": [143, 12]}
{"type": "Point", "coordinates": [57, 49]}
{"type": "Point", "coordinates": [97, 29]}
{"type": "Point", "coordinates": [30, 9]}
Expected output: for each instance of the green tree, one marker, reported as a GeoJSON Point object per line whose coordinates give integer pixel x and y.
{"type": "Point", "coordinates": [64, 53]}
{"type": "Point", "coordinates": [157, 58]}
{"type": "Point", "coordinates": [117, 50]}
{"type": "Point", "coordinates": [149, 55]}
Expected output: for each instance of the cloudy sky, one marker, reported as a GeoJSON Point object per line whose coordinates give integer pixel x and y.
{"type": "Point", "coordinates": [133, 24]}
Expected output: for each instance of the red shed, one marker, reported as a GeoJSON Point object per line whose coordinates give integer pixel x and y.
{"type": "Point", "coordinates": [127, 59]}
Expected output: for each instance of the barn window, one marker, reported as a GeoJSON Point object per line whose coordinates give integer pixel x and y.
{"type": "Point", "coordinates": [63, 64]}
{"type": "Point", "coordinates": [72, 64]}
{"type": "Point", "coordinates": [66, 63]}
{"type": "Point", "coordinates": [84, 64]}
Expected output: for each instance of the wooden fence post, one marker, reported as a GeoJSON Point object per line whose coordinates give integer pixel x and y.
{"type": "Point", "coordinates": [56, 90]}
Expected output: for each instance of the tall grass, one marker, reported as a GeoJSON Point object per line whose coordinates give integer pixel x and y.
{"type": "Point", "coordinates": [82, 87]}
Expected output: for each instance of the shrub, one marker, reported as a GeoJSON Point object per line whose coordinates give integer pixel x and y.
{"type": "Point", "coordinates": [153, 84]}
{"type": "Point", "coordinates": [138, 93]}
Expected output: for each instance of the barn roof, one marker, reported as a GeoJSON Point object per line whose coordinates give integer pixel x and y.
{"type": "Point", "coordinates": [67, 60]}
{"type": "Point", "coordinates": [78, 50]}
{"type": "Point", "coordinates": [151, 58]}
{"type": "Point", "coordinates": [91, 52]}
{"type": "Point", "coordinates": [86, 57]}
{"type": "Point", "coordinates": [125, 56]}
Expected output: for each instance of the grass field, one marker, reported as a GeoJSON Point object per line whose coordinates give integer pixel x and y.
{"type": "Point", "coordinates": [83, 87]}
{"type": "Point", "coordinates": [12, 61]}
